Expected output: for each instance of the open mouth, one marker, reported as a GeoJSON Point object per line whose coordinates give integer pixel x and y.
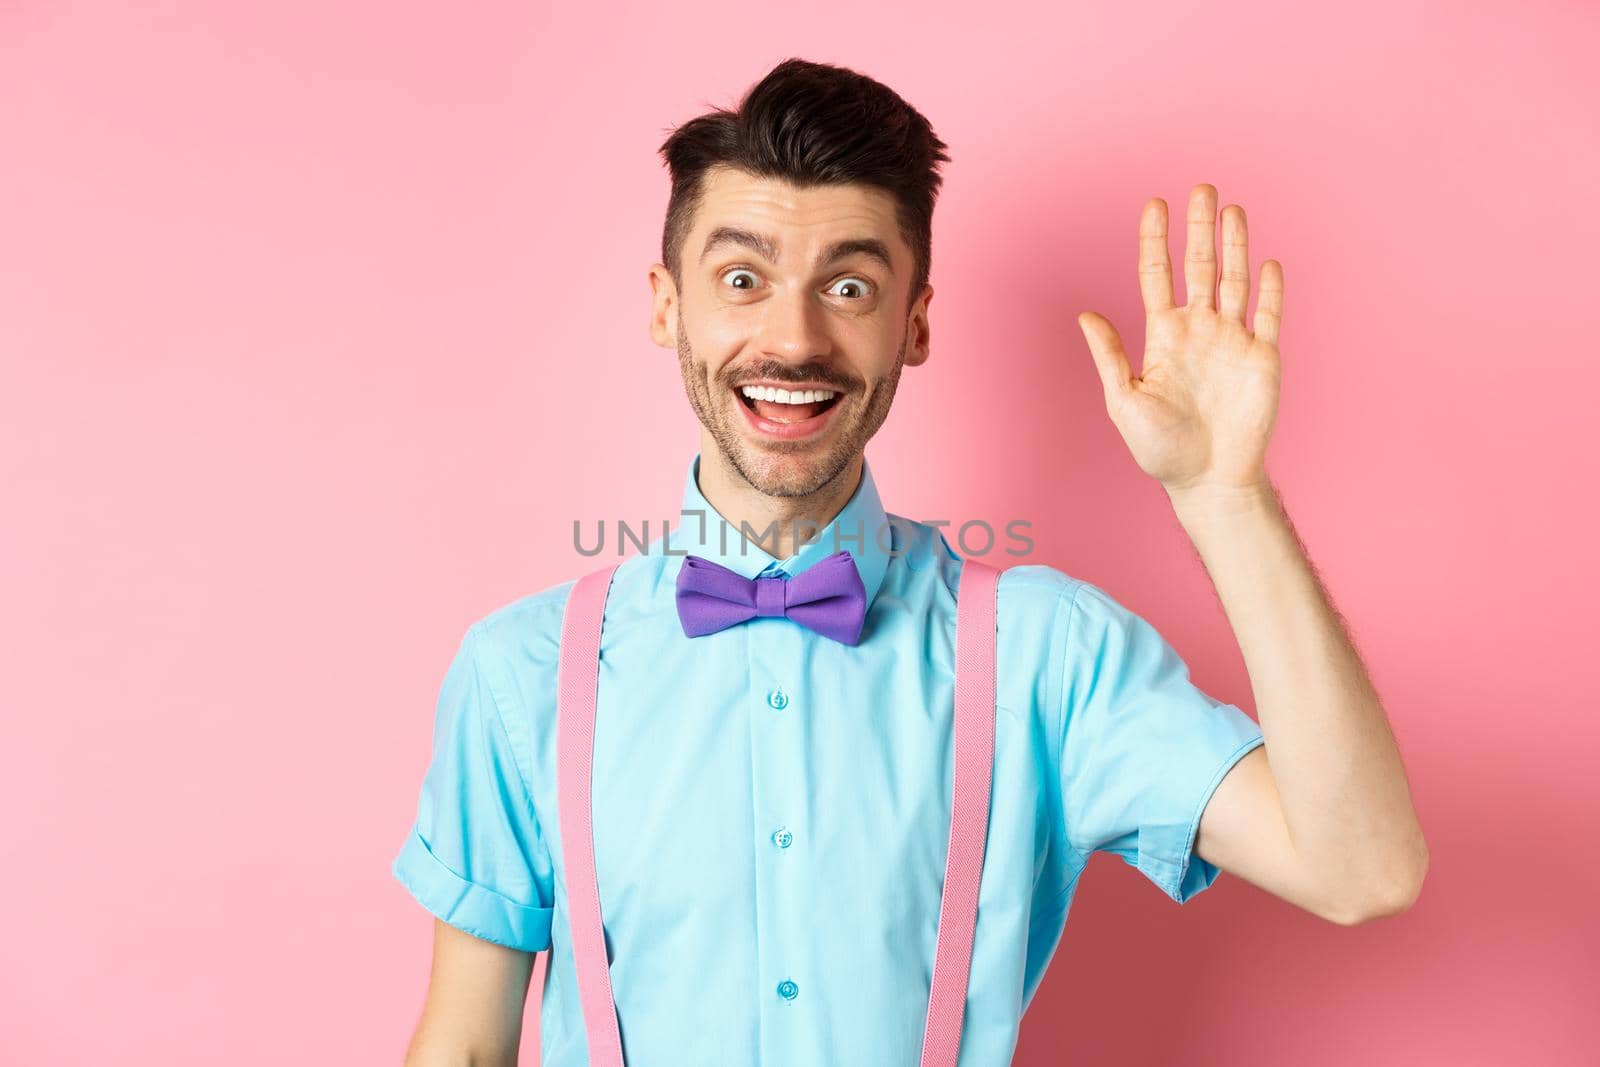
{"type": "Point", "coordinates": [788, 413]}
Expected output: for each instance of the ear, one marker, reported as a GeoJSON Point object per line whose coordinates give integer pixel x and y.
{"type": "Point", "coordinates": [663, 307]}
{"type": "Point", "coordinates": [917, 325]}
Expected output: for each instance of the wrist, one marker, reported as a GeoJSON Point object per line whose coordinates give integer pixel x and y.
{"type": "Point", "coordinates": [1205, 504]}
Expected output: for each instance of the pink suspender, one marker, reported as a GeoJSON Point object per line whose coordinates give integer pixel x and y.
{"type": "Point", "coordinates": [969, 811]}
{"type": "Point", "coordinates": [578, 680]}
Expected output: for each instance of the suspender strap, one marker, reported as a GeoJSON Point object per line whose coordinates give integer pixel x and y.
{"type": "Point", "coordinates": [577, 683]}
{"type": "Point", "coordinates": [969, 811]}
{"type": "Point", "coordinates": [577, 679]}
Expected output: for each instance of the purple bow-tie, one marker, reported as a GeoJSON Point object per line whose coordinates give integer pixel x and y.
{"type": "Point", "coordinates": [827, 597]}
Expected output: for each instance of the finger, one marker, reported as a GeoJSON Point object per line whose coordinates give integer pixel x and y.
{"type": "Point", "coordinates": [1269, 304]}
{"type": "Point", "coordinates": [1234, 291]}
{"type": "Point", "coordinates": [1200, 255]}
{"type": "Point", "coordinates": [1155, 263]}
{"type": "Point", "coordinates": [1106, 348]}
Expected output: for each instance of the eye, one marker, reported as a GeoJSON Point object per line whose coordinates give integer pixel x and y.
{"type": "Point", "coordinates": [862, 287]}
{"type": "Point", "coordinates": [736, 272]}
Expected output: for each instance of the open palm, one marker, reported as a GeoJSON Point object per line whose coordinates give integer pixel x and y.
{"type": "Point", "coordinates": [1201, 412]}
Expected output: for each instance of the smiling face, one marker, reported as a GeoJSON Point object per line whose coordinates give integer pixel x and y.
{"type": "Point", "coordinates": [791, 324]}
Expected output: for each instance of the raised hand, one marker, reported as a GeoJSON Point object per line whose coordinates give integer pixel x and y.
{"type": "Point", "coordinates": [1201, 412]}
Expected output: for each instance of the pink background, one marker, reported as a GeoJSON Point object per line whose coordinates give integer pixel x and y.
{"type": "Point", "coordinates": [307, 316]}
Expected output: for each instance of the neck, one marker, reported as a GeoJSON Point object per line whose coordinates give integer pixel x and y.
{"type": "Point", "coordinates": [779, 524]}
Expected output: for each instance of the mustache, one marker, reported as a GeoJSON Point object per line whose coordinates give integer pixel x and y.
{"type": "Point", "coordinates": [782, 372]}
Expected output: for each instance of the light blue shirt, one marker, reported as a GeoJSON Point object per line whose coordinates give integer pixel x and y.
{"type": "Point", "coordinates": [772, 807]}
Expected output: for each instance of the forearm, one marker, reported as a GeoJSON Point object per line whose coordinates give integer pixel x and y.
{"type": "Point", "coordinates": [446, 1055]}
{"type": "Point", "coordinates": [454, 1045]}
{"type": "Point", "coordinates": [1334, 760]}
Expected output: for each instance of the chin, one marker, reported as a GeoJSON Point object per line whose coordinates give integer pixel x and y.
{"type": "Point", "coordinates": [789, 472]}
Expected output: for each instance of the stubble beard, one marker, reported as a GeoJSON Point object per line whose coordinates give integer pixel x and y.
{"type": "Point", "coordinates": [779, 469]}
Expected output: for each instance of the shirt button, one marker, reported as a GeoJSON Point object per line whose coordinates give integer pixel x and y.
{"type": "Point", "coordinates": [782, 838]}
{"type": "Point", "coordinates": [778, 699]}
{"type": "Point", "coordinates": [788, 990]}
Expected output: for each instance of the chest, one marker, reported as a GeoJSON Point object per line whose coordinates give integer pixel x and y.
{"type": "Point", "coordinates": [764, 766]}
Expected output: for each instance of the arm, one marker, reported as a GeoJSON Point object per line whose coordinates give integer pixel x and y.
{"type": "Point", "coordinates": [1321, 814]}
{"type": "Point", "coordinates": [473, 1013]}
{"type": "Point", "coordinates": [475, 858]}
{"type": "Point", "coordinates": [1331, 821]}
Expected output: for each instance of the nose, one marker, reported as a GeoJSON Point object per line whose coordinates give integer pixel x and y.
{"type": "Point", "coordinates": [792, 328]}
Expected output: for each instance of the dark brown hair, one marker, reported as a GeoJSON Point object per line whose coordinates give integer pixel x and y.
{"type": "Point", "coordinates": [812, 124]}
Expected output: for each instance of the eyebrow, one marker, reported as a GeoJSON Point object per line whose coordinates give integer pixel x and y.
{"type": "Point", "coordinates": [767, 248]}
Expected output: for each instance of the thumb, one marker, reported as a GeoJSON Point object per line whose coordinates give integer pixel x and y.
{"type": "Point", "coordinates": [1106, 348]}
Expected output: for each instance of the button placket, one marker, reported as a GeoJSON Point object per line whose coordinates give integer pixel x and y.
{"type": "Point", "coordinates": [775, 732]}
{"type": "Point", "coordinates": [778, 700]}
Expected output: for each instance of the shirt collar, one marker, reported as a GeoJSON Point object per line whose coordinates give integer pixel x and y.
{"type": "Point", "coordinates": [861, 528]}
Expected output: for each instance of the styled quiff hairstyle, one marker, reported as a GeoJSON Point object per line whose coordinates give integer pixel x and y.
{"type": "Point", "coordinates": [812, 124]}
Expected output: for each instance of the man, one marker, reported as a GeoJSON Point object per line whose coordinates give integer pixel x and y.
{"type": "Point", "coordinates": [771, 802]}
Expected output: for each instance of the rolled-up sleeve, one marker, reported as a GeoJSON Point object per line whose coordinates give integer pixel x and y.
{"type": "Point", "coordinates": [1142, 748]}
{"type": "Point", "coordinates": [475, 856]}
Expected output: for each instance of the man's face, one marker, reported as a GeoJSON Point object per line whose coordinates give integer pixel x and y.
{"type": "Point", "coordinates": [797, 290]}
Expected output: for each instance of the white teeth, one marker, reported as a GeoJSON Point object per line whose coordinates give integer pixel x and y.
{"type": "Point", "coordinates": [785, 396]}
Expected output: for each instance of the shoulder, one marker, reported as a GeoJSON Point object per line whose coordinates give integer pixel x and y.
{"type": "Point", "coordinates": [1038, 591]}
{"type": "Point", "coordinates": [1037, 594]}
{"type": "Point", "coordinates": [525, 624]}
{"type": "Point", "coordinates": [516, 646]}
{"type": "Point", "coordinates": [1085, 624]}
